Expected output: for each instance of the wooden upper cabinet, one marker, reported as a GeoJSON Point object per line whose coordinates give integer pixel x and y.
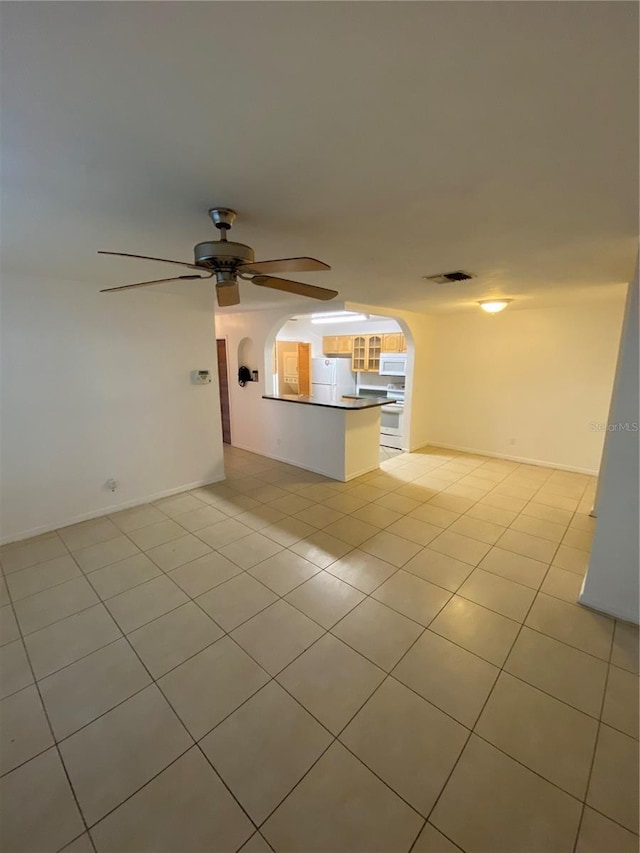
{"type": "Point", "coordinates": [395, 342]}
{"type": "Point", "coordinates": [337, 344]}
{"type": "Point", "coordinates": [359, 354]}
{"type": "Point", "coordinates": [333, 345]}
{"type": "Point", "coordinates": [374, 348]}
{"type": "Point", "coordinates": [329, 344]}
{"type": "Point", "coordinates": [365, 356]}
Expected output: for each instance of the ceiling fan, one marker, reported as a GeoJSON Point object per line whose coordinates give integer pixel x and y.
{"type": "Point", "coordinates": [229, 261]}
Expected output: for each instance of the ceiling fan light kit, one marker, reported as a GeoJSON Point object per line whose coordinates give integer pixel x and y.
{"type": "Point", "coordinates": [228, 261]}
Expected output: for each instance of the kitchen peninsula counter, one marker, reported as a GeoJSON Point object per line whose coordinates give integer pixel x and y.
{"type": "Point", "coordinates": [339, 438]}
{"type": "Point", "coordinates": [350, 404]}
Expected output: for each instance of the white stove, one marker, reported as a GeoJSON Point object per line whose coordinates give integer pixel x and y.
{"type": "Point", "coordinates": [395, 392]}
{"type": "Point", "coordinates": [392, 417]}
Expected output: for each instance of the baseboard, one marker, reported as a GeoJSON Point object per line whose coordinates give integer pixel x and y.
{"type": "Point", "coordinates": [522, 459]}
{"type": "Point", "coordinates": [361, 472]}
{"type": "Point", "coordinates": [87, 516]}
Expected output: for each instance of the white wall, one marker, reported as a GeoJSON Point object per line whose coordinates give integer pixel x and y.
{"type": "Point", "coordinates": [302, 330]}
{"type": "Point", "coordinates": [526, 384]}
{"type": "Point", "coordinates": [254, 423]}
{"type": "Point", "coordinates": [420, 355]}
{"type": "Point", "coordinates": [611, 583]}
{"type": "Point", "coordinates": [475, 382]}
{"type": "Point", "coordinates": [97, 386]}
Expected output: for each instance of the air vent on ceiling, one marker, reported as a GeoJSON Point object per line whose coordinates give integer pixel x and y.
{"type": "Point", "coordinates": [446, 277]}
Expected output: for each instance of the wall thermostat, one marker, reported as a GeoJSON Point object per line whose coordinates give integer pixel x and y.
{"type": "Point", "coordinates": [200, 377]}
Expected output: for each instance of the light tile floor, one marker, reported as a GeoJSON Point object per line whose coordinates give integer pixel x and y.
{"type": "Point", "coordinates": [284, 662]}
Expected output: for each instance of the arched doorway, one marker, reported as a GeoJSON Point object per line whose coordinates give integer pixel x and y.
{"type": "Point", "coordinates": [352, 353]}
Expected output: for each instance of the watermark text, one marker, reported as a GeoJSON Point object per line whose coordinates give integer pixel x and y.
{"type": "Point", "coordinates": [621, 426]}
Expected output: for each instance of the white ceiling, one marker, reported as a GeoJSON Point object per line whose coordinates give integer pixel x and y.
{"type": "Point", "coordinates": [391, 140]}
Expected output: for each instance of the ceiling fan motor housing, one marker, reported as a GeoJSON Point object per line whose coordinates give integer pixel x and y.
{"type": "Point", "coordinates": [222, 254]}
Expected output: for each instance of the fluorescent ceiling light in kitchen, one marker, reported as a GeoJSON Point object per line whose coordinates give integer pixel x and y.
{"type": "Point", "coordinates": [493, 306]}
{"type": "Point", "coordinates": [337, 317]}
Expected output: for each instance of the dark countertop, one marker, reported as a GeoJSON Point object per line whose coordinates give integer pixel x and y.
{"type": "Point", "coordinates": [349, 405]}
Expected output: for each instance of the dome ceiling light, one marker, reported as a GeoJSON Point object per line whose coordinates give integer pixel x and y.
{"type": "Point", "coordinates": [494, 306]}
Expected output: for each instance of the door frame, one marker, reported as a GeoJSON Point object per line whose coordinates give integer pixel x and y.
{"type": "Point", "coordinates": [224, 339]}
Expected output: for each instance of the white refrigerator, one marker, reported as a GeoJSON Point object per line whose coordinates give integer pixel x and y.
{"type": "Point", "coordinates": [331, 378]}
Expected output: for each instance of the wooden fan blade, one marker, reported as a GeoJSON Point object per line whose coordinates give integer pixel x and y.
{"type": "Point", "coordinates": [155, 281]}
{"type": "Point", "coordinates": [228, 294]}
{"type": "Point", "coordinates": [285, 265]}
{"type": "Point", "coordinates": [162, 260]}
{"type": "Point", "coordinates": [296, 287]}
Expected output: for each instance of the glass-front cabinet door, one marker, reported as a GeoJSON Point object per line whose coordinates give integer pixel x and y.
{"type": "Point", "coordinates": [373, 353]}
{"type": "Point", "coordinates": [359, 354]}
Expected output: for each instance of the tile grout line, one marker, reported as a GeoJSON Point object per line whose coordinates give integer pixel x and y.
{"type": "Point", "coordinates": [335, 738]}
{"type": "Point", "coordinates": [157, 618]}
{"type": "Point", "coordinates": [596, 740]}
{"type": "Point", "coordinates": [194, 533]}
{"type": "Point", "coordinates": [389, 675]}
{"type": "Point", "coordinates": [479, 716]}
{"type": "Point", "coordinates": [427, 627]}
{"type": "Point", "coordinates": [51, 732]}
{"type": "Point", "coordinates": [166, 572]}
{"type": "Point", "coordinates": [306, 710]}
{"type": "Point", "coordinates": [283, 597]}
{"type": "Point", "coordinates": [60, 754]}
{"type": "Point", "coordinates": [470, 730]}
{"type": "Point", "coordinates": [321, 480]}
{"type": "Point", "coordinates": [197, 743]}
{"type": "Point", "coordinates": [146, 686]}
{"type": "Point", "coordinates": [194, 742]}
